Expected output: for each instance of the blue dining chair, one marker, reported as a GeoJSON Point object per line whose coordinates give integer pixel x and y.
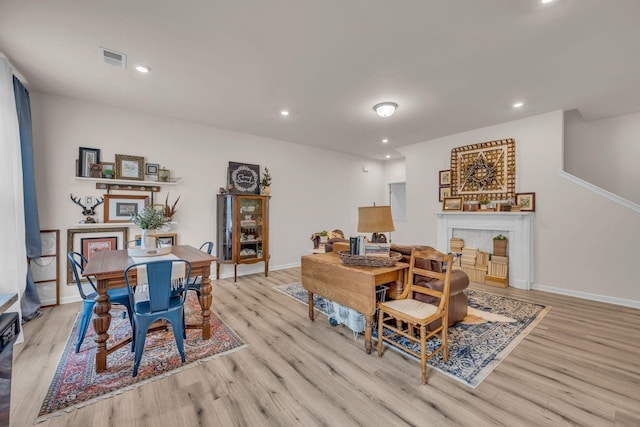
{"type": "Point", "coordinates": [194, 285]}
{"type": "Point", "coordinates": [118, 296]}
{"type": "Point", "coordinates": [165, 300]}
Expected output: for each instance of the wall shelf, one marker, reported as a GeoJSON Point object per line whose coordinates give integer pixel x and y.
{"type": "Point", "coordinates": [111, 225]}
{"type": "Point", "coordinates": [125, 182]}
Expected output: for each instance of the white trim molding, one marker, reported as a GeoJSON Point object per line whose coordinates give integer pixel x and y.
{"type": "Point", "coordinates": [588, 296]}
{"type": "Point", "coordinates": [600, 191]}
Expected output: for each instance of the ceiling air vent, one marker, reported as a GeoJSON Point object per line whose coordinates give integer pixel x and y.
{"type": "Point", "coordinates": [114, 58]}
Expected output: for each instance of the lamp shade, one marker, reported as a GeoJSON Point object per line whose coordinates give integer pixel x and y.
{"type": "Point", "coordinates": [375, 219]}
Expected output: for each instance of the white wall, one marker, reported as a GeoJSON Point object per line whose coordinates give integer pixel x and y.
{"type": "Point", "coordinates": [312, 189]}
{"type": "Point", "coordinates": [605, 152]}
{"type": "Point", "coordinates": [585, 245]}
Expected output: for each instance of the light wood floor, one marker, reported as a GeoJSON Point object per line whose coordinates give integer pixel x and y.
{"type": "Point", "coordinates": [580, 366]}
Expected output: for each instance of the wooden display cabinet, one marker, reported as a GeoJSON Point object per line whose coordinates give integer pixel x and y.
{"type": "Point", "coordinates": [243, 231]}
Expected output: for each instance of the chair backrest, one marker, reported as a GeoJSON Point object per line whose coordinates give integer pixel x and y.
{"type": "Point", "coordinates": [207, 247]}
{"type": "Point", "coordinates": [418, 257]}
{"type": "Point", "coordinates": [161, 277]}
{"type": "Point", "coordinates": [77, 267]}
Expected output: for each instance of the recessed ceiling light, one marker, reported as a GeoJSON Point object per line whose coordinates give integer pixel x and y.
{"type": "Point", "coordinates": [142, 69]}
{"type": "Point", "coordinates": [388, 156]}
{"type": "Point", "coordinates": [284, 113]}
{"type": "Point", "coordinates": [546, 1]}
{"type": "Point", "coordinates": [518, 104]}
{"type": "Point", "coordinates": [386, 140]}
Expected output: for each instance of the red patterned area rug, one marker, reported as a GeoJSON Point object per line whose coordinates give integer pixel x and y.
{"type": "Point", "coordinates": [76, 384]}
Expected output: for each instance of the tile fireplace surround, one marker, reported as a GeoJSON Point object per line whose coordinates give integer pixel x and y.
{"type": "Point", "coordinates": [517, 226]}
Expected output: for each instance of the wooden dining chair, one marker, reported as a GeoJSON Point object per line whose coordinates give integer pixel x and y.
{"type": "Point", "coordinates": [118, 296]}
{"type": "Point", "coordinates": [406, 317]}
{"type": "Point", "coordinates": [158, 293]}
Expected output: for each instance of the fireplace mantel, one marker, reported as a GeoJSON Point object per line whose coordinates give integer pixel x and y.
{"type": "Point", "coordinates": [517, 226]}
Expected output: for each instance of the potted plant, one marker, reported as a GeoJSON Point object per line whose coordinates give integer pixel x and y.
{"type": "Point", "coordinates": [323, 236]}
{"type": "Point", "coordinates": [484, 203]}
{"type": "Point", "coordinates": [149, 220]}
{"type": "Point", "coordinates": [500, 245]}
{"type": "Point", "coordinates": [107, 173]}
{"type": "Point", "coordinates": [265, 182]}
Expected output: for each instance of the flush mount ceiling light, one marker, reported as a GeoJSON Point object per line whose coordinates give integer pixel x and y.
{"type": "Point", "coordinates": [385, 109]}
{"type": "Point", "coordinates": [142, 69]}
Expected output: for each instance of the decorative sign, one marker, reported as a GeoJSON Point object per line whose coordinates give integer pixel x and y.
{"type": "Point", "coordinates": [244, 178]}
{"type": "Point", "coordinates": [484, 171]}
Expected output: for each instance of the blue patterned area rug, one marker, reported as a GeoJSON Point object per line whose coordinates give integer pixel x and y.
{"type": "Point", "coordinates": [494, 326]}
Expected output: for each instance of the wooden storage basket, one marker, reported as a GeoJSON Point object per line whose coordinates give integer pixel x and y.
{"type": "Point", "coordinates": [370, 261]}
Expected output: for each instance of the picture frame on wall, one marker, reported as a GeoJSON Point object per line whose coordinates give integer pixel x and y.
{"type": "Point", "coordinates": [243, 178]}
{"type": "Point", "coordinates": [452, 204]}
{"type": "Point", "coordinates": [87, 157]}
{"type": "Point", "coordinates": [164, 175]}
{"type": "Point", "coordinates": [444, 177]}
{"type": "Point", "coordinates": [445, 192]}
{"type": "Point", "coordinates": [91, 245]}
{"type": "Point", "coordinates": [151, 169]}
{"type": "Point", "coordinates": [170, 239]}
{"type": "Point", "coordinates": [76, 237]}
{"type": "Point", "coordinates": [108, 166]}
{"type": "Point", "coordinates": [120, 207]}
{"type": "Point", "coordinates": [129, 167]}
{"type": "Point", "coordinates": [526, 201]}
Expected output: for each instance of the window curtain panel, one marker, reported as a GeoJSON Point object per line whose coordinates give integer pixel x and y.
{"type": "Point", "coordinates": [30, 301]}
{"type": "Point", "coordinates": [13, 265]}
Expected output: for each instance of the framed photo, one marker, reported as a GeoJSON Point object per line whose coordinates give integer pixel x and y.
{"type": "Point", "coordinates": [78, 238]}
{"type": "Point", "coordinates": [244, 178]}
{"type": "Point", "coordinates": [164, 238]}
{"type": "Point", "coordinates": [151, 169]}
{"type": "Point", "coordinates": [91, 245]}
{"type": "Point", "coordinates": [86, 158]}
{"type": "Point", "coordinates": [95, 170]}
{"type": "Point", "coordinates": [119, 207]}
{"type": "Point", "coordinates": [526, 201]}
{"type": "Point", "coordinates": [445, 192]}
{"type": "Point", "coordinates": [129, 167]}
{"type": "Point", "coordinates": [164, 175]}
{"type": "Point", "coordinates": [445, 177]}
{"type": "Point", "coordinates": [452, 204]}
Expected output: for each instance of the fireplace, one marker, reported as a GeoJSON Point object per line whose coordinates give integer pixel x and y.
{"type": "Point", "coordinates": [516, 226]}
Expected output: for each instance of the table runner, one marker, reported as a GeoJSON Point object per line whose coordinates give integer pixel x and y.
{"type": "Point", "coordinates": [178, 272]}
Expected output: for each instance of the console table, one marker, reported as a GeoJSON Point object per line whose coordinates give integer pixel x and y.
{"type": "Point", "coordinates": [350, 285]}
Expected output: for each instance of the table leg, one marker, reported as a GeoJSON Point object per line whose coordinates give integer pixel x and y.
{"type": "Point", "coordinates": [311, 311]}
{"type": "Point", "coordinates": [101, 322]}
{"type": "Point", "coordinates": [205, 303]}
{"type": "Point", "coordinates": [367, 334]}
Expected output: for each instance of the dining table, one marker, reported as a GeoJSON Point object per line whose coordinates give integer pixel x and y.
{"type": "Point", "coordinates": [108, 269]}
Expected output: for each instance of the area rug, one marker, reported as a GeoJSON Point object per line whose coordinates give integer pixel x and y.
{"type": "Point", "coordinates": [76, 384]}
{"type": "Point", "coordinates": [494, 327]}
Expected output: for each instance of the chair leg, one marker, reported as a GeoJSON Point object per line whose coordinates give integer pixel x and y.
{"type": "Point", "coordinates": [445, 344]}
{"type": "Point", "coordinates": [380, 331]}
{"type": "Point", "coordinates": [139, 338]}
{"type": "Point", "coordinates": [423, 352]}
{"type": "Point", "coordinates": [177, 324]}
{"type": "Point", "coordinates": [87, 311]}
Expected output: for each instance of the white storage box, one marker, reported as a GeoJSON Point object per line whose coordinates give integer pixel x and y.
{"type": "Point", "coordinates": [354, 320]}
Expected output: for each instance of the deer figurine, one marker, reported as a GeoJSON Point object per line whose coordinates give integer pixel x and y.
{"type": "Point", "coordinates": [88, 212]}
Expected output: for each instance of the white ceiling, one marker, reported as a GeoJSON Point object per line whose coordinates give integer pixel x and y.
{"type": "Point", "coordinates": [451, 65]}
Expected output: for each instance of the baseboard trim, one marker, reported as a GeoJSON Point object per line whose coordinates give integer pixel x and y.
{"type": "Point", "coordinates": [588, 296]}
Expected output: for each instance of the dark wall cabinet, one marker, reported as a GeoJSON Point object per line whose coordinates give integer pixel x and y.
{"type": "Point", "coordinates": [243, 230]}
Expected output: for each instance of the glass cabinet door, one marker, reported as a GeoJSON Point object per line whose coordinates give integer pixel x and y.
{"type": "Point", "coordinates": [225, 228]}
{"type": "Point", "coordinates": [250, 211]}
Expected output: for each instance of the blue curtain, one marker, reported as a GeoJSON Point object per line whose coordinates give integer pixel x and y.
{"type": "Point", "coordinates": [30, 302]}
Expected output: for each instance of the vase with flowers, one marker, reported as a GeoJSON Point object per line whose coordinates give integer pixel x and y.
{"type": "Point", "coordinates": [149, 220]}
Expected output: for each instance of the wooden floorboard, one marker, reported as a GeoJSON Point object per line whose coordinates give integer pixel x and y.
{"type": "Point", "coordinates": [579, 366]}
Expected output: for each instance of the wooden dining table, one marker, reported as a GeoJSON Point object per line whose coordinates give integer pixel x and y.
{"type": "Point", "coordinates": [108, 268]}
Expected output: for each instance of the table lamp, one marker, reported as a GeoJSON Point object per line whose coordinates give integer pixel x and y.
{"type": "Point", "coordinates": [376, 220]}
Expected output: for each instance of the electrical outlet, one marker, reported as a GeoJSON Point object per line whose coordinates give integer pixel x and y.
{"type": "Point", "coordinates": [88, 200]}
